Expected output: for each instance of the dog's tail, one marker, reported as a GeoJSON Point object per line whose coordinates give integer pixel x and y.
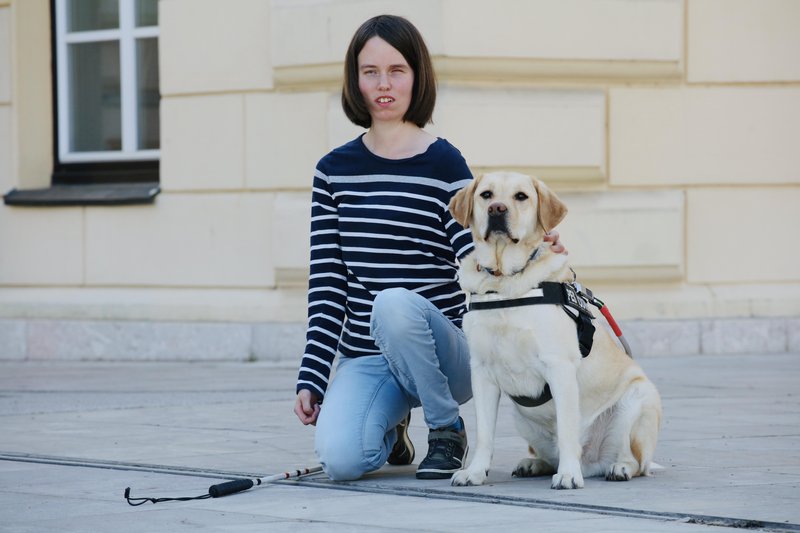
{"type": "Point", "coordinates": [644, 437]}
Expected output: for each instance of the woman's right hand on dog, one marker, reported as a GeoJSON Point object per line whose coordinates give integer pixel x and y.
{"type": "Point", "coordinates": [306, 407]}
{"type": "Point", "coordinates": [556, 246]}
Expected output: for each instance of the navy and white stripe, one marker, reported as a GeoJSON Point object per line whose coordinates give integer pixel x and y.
{"type": "Point", "coordinates": [375, 224]}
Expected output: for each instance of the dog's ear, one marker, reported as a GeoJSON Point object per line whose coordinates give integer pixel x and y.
{"type": "Point", "coordinates": [551, 210]}
{"type": "Point", "coordinates": [461, 204]}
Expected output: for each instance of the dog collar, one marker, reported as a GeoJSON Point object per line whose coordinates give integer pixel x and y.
{"type": "Point", "coordinates": [497, 273]}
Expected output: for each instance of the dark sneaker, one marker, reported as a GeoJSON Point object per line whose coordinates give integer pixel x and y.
{"type": "Point", "coordinates": [403, 450]}
{"type": "Point", "coordinates": [447, 449]}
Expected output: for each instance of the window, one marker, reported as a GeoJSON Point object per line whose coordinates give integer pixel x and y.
{"type": "Point", "coordinates": [107, 97]}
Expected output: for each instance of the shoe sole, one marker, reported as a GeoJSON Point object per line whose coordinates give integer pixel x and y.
{"type": "Point", "coordinates": [436, 474]}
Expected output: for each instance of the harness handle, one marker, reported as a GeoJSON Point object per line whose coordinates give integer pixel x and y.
{"type": "Point", "coordinates": [597, 302]}
{"type": "Point", "coordinates": [611, 322]}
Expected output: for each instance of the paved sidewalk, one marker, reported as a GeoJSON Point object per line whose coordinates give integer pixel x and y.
{"type": "Point", "coordinates": [74, 435]}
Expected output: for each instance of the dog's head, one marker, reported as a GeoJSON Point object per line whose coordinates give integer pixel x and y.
{"type": "Point", "coordinates": [507, 207]}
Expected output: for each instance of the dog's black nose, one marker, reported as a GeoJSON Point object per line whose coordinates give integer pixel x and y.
{"type": "Point", "coordinates": [497, 209]}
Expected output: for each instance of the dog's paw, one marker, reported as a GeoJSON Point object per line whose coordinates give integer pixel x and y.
{"type": "Point", "coordinates": [619, 472]}
{"type": "Point", "coordinates": [464, 478]}
{"type": "Point", "coordinates": [567, 481]}
{"type": "Point", "coordinates": [530, 467]}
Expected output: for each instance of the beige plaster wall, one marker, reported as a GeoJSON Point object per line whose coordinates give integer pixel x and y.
{"type": "Point", "coordinates": [6, 149]}
{"type": "Point", "coordinates": [668, 127]}
{"type": "Point", "coordinates": [743, 235]}
{"type": "Point", "coordinates": [212, 46]}
{"type": "Point", "coordinates": [744, 41]}
{"type": "Point", "coordinates": [704, 135]}
{"type": "Point", "coordinates": [5, 54]}
{"type": "Point", "coordinates": [27, 86]}
{"type": "Point", "coordinates": [6, 138]}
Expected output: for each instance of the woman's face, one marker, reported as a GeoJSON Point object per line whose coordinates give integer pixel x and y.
{"type": "Point", "coordinates": [385, 80]}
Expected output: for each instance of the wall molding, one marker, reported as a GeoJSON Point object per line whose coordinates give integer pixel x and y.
{"type": "Point", "coordinates": [498, 69]}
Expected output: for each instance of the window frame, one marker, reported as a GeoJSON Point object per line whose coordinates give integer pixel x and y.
{"type": "Point", "coordinates": [124, 166]}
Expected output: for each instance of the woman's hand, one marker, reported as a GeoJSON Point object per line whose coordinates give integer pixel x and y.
{"type": "Point", "coordinates": [556, 245]}
{"type": "Point", "coordinates": [306, 407]}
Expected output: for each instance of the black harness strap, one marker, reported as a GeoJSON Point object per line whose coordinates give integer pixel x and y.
{"type": "Point", "coordinates": [553, 293]}
{"type": "Point", "coordinates": [530, 401]}
{"type": "Point", "coordinates": [574, 304]}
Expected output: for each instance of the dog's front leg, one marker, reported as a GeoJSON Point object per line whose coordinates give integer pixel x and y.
{"type": "Point", "coordinates": [563, 380]}
{"type": "Point", "coordinates": [487, 399]}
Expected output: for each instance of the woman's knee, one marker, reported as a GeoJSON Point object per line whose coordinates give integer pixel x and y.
{"type": "Point", "coordinates": [393, 308]}
{"type": "Point", "coordinates": [343, 461]}
{"type": "Point", "coordinates": [389, 300]}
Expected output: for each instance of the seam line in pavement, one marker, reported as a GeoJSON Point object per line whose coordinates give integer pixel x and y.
{"type": "Point", "coordinates": [689, 518]}
{"type": "Point", "coordinates": [123, 465]}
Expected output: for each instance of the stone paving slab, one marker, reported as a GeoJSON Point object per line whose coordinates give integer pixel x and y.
{"type": "Point", "coordinates": [87, 500]}
{"type": "Point", "coordinates": [730, 448]}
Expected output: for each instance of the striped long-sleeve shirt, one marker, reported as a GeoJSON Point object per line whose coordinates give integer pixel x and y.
{"type": "Point", "coordinates": [375, 224]}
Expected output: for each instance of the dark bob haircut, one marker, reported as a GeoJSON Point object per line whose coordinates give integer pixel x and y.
{"type": "Point", "coordinates": [406, 39]}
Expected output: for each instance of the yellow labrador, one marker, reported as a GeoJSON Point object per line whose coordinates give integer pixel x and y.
{"type": "Point", "coordinates": [603, 415]}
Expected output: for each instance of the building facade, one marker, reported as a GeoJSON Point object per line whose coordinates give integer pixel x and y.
{"type": "Point", "coordinates": [670, 128]}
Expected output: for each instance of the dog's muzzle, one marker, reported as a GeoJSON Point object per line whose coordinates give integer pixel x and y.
{"type": "Point", "coordinates": [497, 219]}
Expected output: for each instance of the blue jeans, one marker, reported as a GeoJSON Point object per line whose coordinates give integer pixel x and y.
{"type": "Point", "coordinates": [424, 361]}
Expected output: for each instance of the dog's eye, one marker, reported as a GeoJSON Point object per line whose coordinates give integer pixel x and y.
{"type": "Point", "coordinates": [486, 195]}
{"type": "Point", "coordinates": [521, 196]}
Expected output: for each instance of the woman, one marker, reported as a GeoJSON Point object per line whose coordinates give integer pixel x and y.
{"type": "Point", "coordinates": [383, 291]}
